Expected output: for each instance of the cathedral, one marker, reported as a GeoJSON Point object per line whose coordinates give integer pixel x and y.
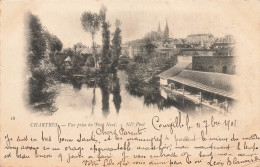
{"type": "Point", "coordinates": [157, 35]}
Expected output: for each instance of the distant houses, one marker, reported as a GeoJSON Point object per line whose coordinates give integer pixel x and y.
{"type": "Point", "coordinates": [87, 50]}
{"type": "Point", "coordinates": [198, 38]}
{"type": "Point", "coordinates": [193, 45]}
{"type": "Point", "coordinates": [205, 68]}
{"type": "Point", "coordinates": [68, 62]}
{"type": "Point", "coordinates": [134, 50]}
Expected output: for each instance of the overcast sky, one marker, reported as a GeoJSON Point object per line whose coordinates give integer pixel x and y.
{"type": "Point", "coordinates": [138, 18]}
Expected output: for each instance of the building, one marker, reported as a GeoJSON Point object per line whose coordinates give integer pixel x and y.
{"type": "Point", "coordinates": [164, 76]}
{"type": "Point", "coordinates": [216, 64]}
{"type": "Point", "coordinates": [199, 38]}
{"type": "Point", "coordinates": [88, 50]}
{"type": "Point", "coordinates": [68, 63]}
{"type": "Point", "coordinates": [228, 39]}
{"type": "Point", "coordinates": [125, 49]}
{"type": "Point", "coordinates": [166, 31]}
{"type": "Point", "coordinates": [198, 52]}
{"type": "Point", "coordinates": [164, 51]}
{"type": "Point", "coordinates": [157, 35]}
{"type": "Point", "coordinates": [181, 59]}
{"type": "Point", "coordinates": [135, 50]}
{"type": "Point", "coordinates": [204, 89]}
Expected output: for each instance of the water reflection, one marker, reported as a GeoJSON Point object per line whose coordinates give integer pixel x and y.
{"type": "Point", "coordinates": [106, 94]}
{"type": "Point", "coordinates": [94, 96]}
{"type": "Point", "coordinates": [103, 83]}
{"type": "Point", "coordinates": [76, 83]}
{"type": "Point", "coordinates": [41, 92]}
{"type": "Point", "coordinates": [152, 96]}
{"type": "Point", "coordinates": [116, 93]}
{"type": "Point", "coordinates": [108, 84]}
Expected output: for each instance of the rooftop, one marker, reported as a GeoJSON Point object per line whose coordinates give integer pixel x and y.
{"type": "Point", "coordinates": [174, 70]}
{"type": "Point", "coordinates": [217, 83]}
{"type": "Point", "coordinates": [192, 35]}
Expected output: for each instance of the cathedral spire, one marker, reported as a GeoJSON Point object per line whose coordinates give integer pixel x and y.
{"type": "Point", "coordinates": [166, 31]}
{"type": "Point", "coordinates": [166, 24]}
{"type": "Point", "coordinates": [159, 27]}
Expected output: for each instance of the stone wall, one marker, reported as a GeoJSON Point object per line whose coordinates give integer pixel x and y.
{"type": "Point", "coordinates": [219, 64]}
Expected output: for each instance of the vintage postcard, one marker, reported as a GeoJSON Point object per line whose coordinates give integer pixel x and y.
{"type": "Point", "coordinates": [130, 83]}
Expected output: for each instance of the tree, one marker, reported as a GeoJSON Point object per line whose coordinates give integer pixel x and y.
{"type": "Point", "coordinates": [41, 69]}
{"type": "Point", "coordinates": [116, 45]}
{"type": "Point", "coordinates": [58, 60]}
{"type": "Point", "coordinates": [225, 51]}
{"type": "Point", "coordinates": [36, 49]}
{"type": "Point", "coordinates": [54, 43]}
{"type": "Point", "coordinates": [54, 46]}
{"type": "Point", "coordinates": [90, 23]}
{"type": "Point", "coordinates": [149, 47]}
{"type": "Point", "coordinates": [106, 55]}
{"type": "Point", "coordinates": [77, 62]}
{"type": "Point", "coordinates": [90, 62]}
{"type": "Point", "coordinates": [36, 41]}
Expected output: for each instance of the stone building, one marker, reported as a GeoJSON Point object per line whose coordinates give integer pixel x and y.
{"type": "Point", "coordinates": [157, 35]}
{"type": "Point", "coordinates": [218, 64]}
{"type": "Point", "coordinates": [199, 38]}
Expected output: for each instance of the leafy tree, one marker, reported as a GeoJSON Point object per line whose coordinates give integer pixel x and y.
{"type": "Point", "coordinates": [105, 57]}
{"type": "Point", "coordinates": [116, 45]}
{"type": "Point", "coordinates": [36, 41]}
{"type": "Point", "coordinates": [68, 51]}
{"type": "Point", "coordinates": [90, 62]}
{"type": "Point", "coordinates": [103, 14]}
{"type": "Point", "coordinates": [149, 47]}
{"type": "Point", "coordinates": [54, 43]}
{"type": "Point", "coordinates": [77, 63]}
{"type": "Point", "coordinates": [54, 46]}
{"type": "Point", "coordinates": [58, 60]}
{"type": "Point", "coordinates": [41, 69]}
{"type": "Point", "coordinates": [36, 48]}
{"type": "Point", "coordinates": [225, 51]}
{"type": "Point", "coordinates": [91, 23]}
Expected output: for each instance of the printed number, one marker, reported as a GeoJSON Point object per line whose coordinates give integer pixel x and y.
{"type": "Point", "coordinates": [12, 118]}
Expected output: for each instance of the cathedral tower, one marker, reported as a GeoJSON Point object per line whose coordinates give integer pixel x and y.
{"type": "Point", "coordinates": [166, 31]}
{"type": "Point", "coordinates": [159, 28]}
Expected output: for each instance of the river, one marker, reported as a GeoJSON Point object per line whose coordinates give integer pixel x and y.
{"type": "Point", "coordinates": [110, 97]}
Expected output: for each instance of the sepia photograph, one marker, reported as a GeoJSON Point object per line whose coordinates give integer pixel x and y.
{"type": "Point", "coordinates": [102, 64]}
{"type": "Point", "coordinates": [116, 83]}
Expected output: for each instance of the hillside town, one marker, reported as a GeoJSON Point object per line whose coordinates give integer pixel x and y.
{"type": "Point", "coordinates": [202, 73]}
{"type": "Point", "coordinates": [192, 45]}
{"type": "Point", "coordinates": [189, 74]}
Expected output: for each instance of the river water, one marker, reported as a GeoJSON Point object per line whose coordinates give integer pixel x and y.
{"type": "Point", "coordinates": [110, 97]}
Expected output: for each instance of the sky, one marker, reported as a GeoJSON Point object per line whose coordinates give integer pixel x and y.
{"type": "Point", "coordinates": [138, 18]}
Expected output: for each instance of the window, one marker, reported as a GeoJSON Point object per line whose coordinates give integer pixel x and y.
{"type": "Point", "coordinates": [200, 68]}
{"type": "Point", "coordinates": [211, 69]}
{"type": "Point", "coordinates": [233, 69]}
{"type": "Point", "coordinates": [224, 69]}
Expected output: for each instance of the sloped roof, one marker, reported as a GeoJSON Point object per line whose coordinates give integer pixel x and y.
{"type": "Point", "coordinates": [68, 59]}
{"type": "Point", "coordinates": [182, 65]}
{"type": "Point", "coordinates": [88, 50]}
{"type": "Point", "coordinates": [217, 83]}
{"type": "Point", "coordinates": [174, 70]}
{"type": "Point", "coordinates": [99, 49]}
{"type": "Point", "coordinates": [84, 50]}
